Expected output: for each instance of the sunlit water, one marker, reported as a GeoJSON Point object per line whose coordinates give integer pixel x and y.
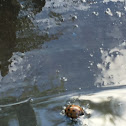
{"type": "Point", "coordinates": [104, 108]}
{"type": "Point", "coordinates": [56, 53]}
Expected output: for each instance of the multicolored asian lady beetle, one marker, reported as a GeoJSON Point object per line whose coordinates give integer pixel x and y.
{"type": "Point", "coordinates": [74, 111]}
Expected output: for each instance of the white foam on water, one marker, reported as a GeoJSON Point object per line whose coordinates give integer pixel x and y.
{"type": "Point", "coordinates": [15, 59]}
{"type": "Point", "coordinates": [113, 67]}
{"type": "Point", "coordinates": [116, 102]}
{"type": "Point", "coordinates": [65, 5]}
{"type": "Point", "coordinates": [95, 13]}
{"type": "Point", "coordinates": [105, 1]}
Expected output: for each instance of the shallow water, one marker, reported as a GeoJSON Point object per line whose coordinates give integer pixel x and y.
{"type": "Point", "coordinates": [60, 52]}
{"type": "Point", "coordinates": [105, 107]}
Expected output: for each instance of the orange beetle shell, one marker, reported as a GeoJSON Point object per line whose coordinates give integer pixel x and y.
{"type": "Point", "coordinates": [74, 111]}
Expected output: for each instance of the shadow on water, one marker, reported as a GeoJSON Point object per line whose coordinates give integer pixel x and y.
{"type": "Point", "coordinates": [8, 13]}
{"type": "Point", "coordinates": [11, 23]}
{"type": "Point", "coordinates": [25, 115]}
{"type": "Point", "coordinates": [21, 115]}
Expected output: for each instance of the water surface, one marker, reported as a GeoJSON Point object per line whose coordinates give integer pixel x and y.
{"type": "Point", "coordinates": [51, 51]}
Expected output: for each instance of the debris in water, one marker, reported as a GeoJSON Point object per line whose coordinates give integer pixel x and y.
{"type": "Point", "coordinates": [74, 17]}
{"type": "Point", "coordinates": [76, 26]}
{"type": "Point", "coordinates": [95, 13]}
{"type": "Point", "coordinates": [119, 13]}
{"type": "Point", "coordinates": [109, 12]}
{"type": "Point", "coordinates": [63, 79]}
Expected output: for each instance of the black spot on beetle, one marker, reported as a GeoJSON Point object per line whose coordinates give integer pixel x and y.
{"type": "Point", "coordinates": [82, 113]}
{"type": "Point", "coordinates": [68, 109]}
{"type": "Point", "coordinates": [73, 110]}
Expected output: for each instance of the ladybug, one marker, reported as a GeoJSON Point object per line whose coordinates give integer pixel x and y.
{"type": "Point", "coordinates": [74, 111]}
